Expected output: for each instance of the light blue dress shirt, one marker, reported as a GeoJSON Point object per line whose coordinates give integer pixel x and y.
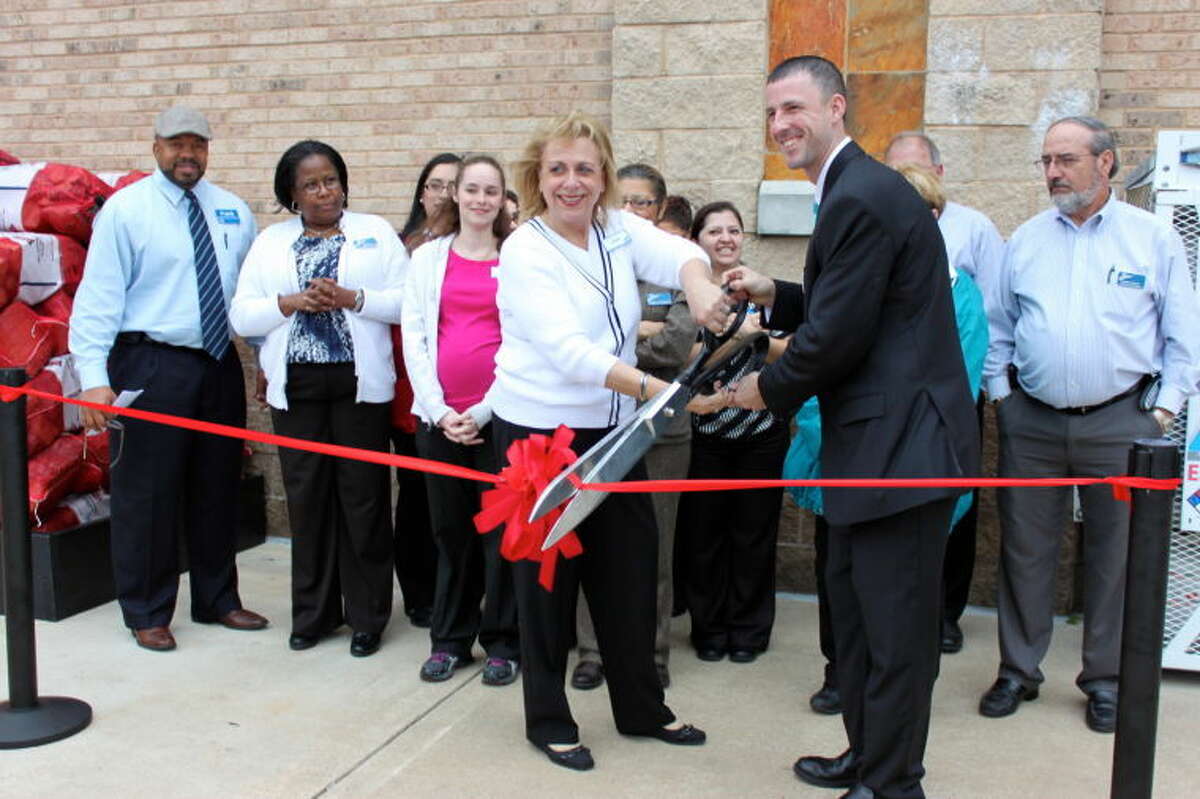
{"type": "Point", "coordinates": [1085, 311]}
{"type": "Point", "coordinates": [973, 244]}
{"type": "Point", "coordinates": [140, 273]}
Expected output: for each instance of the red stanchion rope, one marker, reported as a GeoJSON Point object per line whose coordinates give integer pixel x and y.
{"type": "Point", "coordinates": [534, 461]}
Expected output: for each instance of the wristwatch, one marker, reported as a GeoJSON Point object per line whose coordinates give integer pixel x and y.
{"type": "Point", "coordinates": [359, 299]}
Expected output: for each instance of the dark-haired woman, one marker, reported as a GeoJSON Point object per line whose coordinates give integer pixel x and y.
{"type": "Point", "coordinates": [321, 289]}
{"type": "Point", "coordinates": [414, 551]}
{"type": "Point", "coordinates": [451, 334]}
{"type": "Point", "coordinates": [726, 539]}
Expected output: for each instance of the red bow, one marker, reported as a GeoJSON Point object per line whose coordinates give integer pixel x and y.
{"type": "Point", "coordinates": [532, 463]}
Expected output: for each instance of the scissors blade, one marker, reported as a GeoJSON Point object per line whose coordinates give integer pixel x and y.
{"type": "Point", "coordinates": [561, 488]}
{"type": "Point", "coordinates": [619, 458]}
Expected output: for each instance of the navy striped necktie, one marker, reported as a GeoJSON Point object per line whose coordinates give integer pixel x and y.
{"type": "Point", "coordinates": [214, 320]}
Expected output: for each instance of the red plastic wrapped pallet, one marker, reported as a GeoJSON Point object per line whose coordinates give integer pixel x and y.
{"type": "Point", "coordinates": [43, 417]}
{"type": "Point", "coordinates": [75, 510]}
{"type": "Point", "coordinates": [57, 306]}
{"type": "Point", "coordinates": [28, 340]}
{"type": "Point", "coordinates": [52, 473]}
{"type": "Point", "coordinates": [8, 159]}
{"type": "Point", "coordinates": [46, 262]}
{"type": "Point", "coordinates": [10, 270]}
{"type": "Point", "coordinates": [119, 180]}
{"type": "Point", "coordinates": [93, 474]}
{"type": "Point", "coordinates": [51, 198]}
{"type": "Point", "coordinates": [63, 368]}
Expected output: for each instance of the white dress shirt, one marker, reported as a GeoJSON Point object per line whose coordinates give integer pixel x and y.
{"type": "Point", "coordinates": [140, 274]}
{"type": "Point", "coordinates": [567, 315]}
{"type": "Point", "coordinates": [1085, 311]}
{"type": "Point", "coordinates": [972, 243]}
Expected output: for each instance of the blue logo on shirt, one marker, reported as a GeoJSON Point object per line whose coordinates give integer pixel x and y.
{"type": "Point", "coordinates": [227, 216]}
{"type": "Point", "coordinates": [658, 298]}
{"type": "Point", "coordinates": [1131, 280]}
{"type": "Point", "coordinates": [365, 244]}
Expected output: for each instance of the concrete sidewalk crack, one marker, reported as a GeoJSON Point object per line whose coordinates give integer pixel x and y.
{"type": "Point", "coordinates": [388, 741]}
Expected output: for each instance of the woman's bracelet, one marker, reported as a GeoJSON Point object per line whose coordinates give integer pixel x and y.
{"type": "Point", "coordinates": [642, 387]}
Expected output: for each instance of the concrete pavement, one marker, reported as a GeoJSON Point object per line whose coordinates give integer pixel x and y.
{"type": "Point", "coordinates": [234, 714]}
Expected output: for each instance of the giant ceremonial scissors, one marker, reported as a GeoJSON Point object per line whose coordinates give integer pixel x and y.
{"type": "Point", "coordinates": [611, 458]}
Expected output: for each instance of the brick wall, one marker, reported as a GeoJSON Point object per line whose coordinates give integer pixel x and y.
{"type": "Point", "coordinates": [1149, 78]}
{"type": "Point", "coordinates": [388, 83]}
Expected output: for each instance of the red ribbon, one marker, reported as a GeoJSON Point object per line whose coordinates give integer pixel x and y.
{"type": "Point", "coordinates": [532, 463]}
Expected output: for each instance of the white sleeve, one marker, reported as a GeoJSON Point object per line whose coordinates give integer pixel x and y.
{"type": "Point", "coordinates": [254, 310]}
{"type": "Point", "coordinates": [656, 254]}
{"type": "Point", "coordinates": [416, 330]}
{"type": "Point", "coordinates": [383, 304]}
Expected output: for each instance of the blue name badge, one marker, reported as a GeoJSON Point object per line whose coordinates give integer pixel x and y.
{"type": "Point", "coordinates": [366, 244]}
{"type": "Point", "coordinates": [227, 216]}
{"type": "Point", "coordinates": [1131, 280]}
{"type": "Point", "coordinates": [658, 298]}
{"type": "Point", "coordinates": [616, 241]}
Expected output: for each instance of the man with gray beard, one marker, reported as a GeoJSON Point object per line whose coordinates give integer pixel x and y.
{"type": "Point", "coordinates": [1094, 333]}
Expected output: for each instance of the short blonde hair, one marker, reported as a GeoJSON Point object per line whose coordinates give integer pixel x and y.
{"type": "Point", "coordinates": [926, 182]}
{"type": "Point", "coordinates": [527, 169]}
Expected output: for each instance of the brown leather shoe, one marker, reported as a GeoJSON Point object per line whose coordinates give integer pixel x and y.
{"type": "Point", "coordinates": [242, 619]}
{"type": "Point", "coordinates": [156, 639]}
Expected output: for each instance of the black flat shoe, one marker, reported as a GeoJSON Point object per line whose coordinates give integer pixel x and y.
{"type": "Point", "coordinates": [827, 701]}
{"type": "Point", "coordinates": [587, 675]}
{"type": "Point", "coordinates": [829, 772]}
{"type": "Point", "coordinates": [297, 642]}
{"type": "Point", "coordinates": [577, 759]}
{"type": "Point", "coordinates": [1004, 697]}
{"type": "Point", "coordinates": [710, 653]}
{"type": "Point", "coordinates": [952, 637]}
{"type": "Point", "coordinates": [1101, 715]}
{"type": "Point", "coordinates": [743, 656]}
{"type": "Point", "coordinates": [687, 735]}
{"type": "Point", "coordinates": [364, 644]}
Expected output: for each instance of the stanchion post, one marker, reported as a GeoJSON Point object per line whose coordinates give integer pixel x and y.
{"type": "Point", "coordinates": [26, 719]}
{"type": "Point", "coordinates": [1142, 628]}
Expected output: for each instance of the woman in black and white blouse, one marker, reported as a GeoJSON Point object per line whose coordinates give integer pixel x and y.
{"type": "Point", "coordinates": [569, 311]}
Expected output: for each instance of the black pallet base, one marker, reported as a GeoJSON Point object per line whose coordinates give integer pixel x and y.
{"type": "Point", "coordinates": [72, 569]}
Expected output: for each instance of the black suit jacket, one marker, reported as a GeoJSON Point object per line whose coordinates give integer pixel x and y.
{"type": "Point", "coordinates": [876, 341]}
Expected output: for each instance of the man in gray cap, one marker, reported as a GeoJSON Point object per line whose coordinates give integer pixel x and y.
{"type": "Point", "coordinates": [151, 316]}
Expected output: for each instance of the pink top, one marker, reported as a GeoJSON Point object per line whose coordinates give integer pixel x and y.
{"type": "Point", "coordinates": [468, 330]}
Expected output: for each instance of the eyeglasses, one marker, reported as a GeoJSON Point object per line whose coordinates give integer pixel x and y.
{"type": "Point", "coordinates": [1064, 161]}
{"type": "Point", "coordinates": [637, 202]}
{"type": "Point", "coordinates": [313, 187]}
{"type": "Point", "coordinates": [438, 187]}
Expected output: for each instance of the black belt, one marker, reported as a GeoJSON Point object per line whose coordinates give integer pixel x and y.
{"type": "Point", "coordinates": [138, 337]}
{"type": "Point", "coordinates": [1082, 410]}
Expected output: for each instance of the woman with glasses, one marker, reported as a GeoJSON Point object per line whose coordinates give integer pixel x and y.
{"type": "Point", "coordinates": [451, 334]}
{"type": "Point", "coordinates": [664, 340]}
{"type": "Point", "coordinates": [322, 289]}
{"type": "Point", "coordinates": [415, 553]}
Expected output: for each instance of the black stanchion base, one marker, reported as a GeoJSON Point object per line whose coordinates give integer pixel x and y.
{"type": "Point", "coordinates": [51, 719]}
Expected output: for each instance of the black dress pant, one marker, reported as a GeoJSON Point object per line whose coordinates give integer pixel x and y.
{"type": "Point", "coordinates": [339, 508]}
{"type": "Point", "coordinates": [469, 565]}
{"type": "Point", "coordinates": [824, 619]}
{"type": "Point", "coordinates": [960, 551]}
{"type": "Point", "coordinates": [618, 570]}
{"type": "Point", "coordinates": [730, 541]}
{"type": "Point", "coordinates": [414, 551]}
{"type": "Point", "coordinates": [167, 475]}
{"type": "Point", "coordinates": [884, 580]}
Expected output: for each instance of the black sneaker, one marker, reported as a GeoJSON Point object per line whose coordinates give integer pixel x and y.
{"type": "Point", "coordinates": [498, 671]}
{"type": "Point", "coordinates": [440, 666]}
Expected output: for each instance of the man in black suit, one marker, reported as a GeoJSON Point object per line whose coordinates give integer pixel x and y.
{"type": "Point", "coordinates": [875, 340]}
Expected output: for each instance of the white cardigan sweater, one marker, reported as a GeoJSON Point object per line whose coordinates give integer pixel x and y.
{"type": "Point", "coordinates": [568, 315]}
{"type": "Point", "coordinates": [419, 321]}
{"type": "Point", "coordinates": [372, 259]}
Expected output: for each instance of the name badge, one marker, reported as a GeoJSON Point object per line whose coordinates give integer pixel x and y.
{"type": "Point", "coordinates": [228, 216]}
{"type": "Point", "coordinates": [1131, 280]}
{"type": "Point", "coordinates": [658, 298]}
{"type": "Point", "coordinates": [616, 241]}
{"type": "Point", "coordinates": [366, 244]}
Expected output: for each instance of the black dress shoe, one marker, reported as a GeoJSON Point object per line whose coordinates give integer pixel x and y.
{"type": "Point", "coordinates": [1004, 697]}
{"type": "Point", "coordinates": [687, 735]}
{"type": "Point", "coordinates": [421, 617]}
{"type": "Point", "coordinates": [859, 791]}
{"type": "Point", "coordinates": [587, 675]}
{"type": "Point", "coordinates": [363, 644]}
{"type": "Point", "coordinates": [743, 656]}
{"type": "Point", "coordinates": [952, 637]}
{"type": "Point", "coordinates": [710, 653]}
{"type": "Point", "coordinates": [297, 642]}
{"type": "Point", "coordinates": [829, 772]}
{"type": "Point", "coordinates": [578, 759]}
{"type": "Point", "coordinates": [827, 701]}
{"type": "Point", "coordinates": [1101, 713]}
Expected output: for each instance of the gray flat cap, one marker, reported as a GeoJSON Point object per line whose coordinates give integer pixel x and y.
{"type": "Point", "coordinates": [179, 119]}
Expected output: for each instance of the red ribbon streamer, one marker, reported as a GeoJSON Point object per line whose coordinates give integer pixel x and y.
{"type": "Point", "coordinates": [532, 463]}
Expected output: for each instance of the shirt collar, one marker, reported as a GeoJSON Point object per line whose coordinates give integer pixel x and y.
{"type": "Point", "coordinates": [1095, 220]}
{"type": "Point", "coordinates": [173, 193]}
{"type": "Point", "coordinates": [825, 168]}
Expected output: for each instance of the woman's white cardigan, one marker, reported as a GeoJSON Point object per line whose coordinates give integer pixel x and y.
{"type": "Point", "coordinates": [419, 321]}
{"type": "Point", "coordinates": [372, 259]}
